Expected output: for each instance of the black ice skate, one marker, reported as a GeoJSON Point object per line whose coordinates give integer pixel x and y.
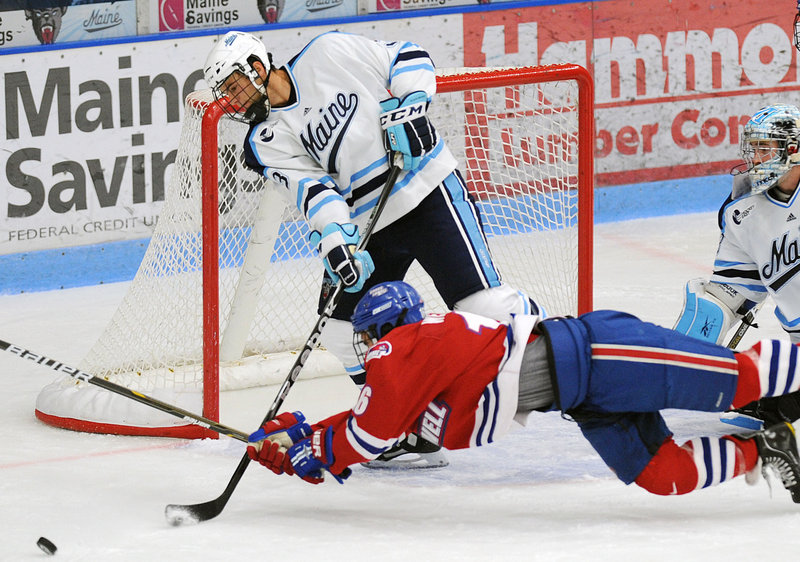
{"type": "Point", "coordinates": [777, 448]}
{"type": "Point", "coordinates": [412, 452]}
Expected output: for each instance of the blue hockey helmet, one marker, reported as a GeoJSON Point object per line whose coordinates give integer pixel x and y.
{"type": "Point", "coordinates": [383, 308]}
{"type": "Point", "coordinates": [769, 144]}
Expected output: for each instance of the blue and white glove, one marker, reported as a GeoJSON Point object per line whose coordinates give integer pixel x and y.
{"type": "Point", "coordinates": [312, 455]}
{"type": "Point", "coordinates": [408, 129]}
{"type": "Point", "coordinates": [335, 246]}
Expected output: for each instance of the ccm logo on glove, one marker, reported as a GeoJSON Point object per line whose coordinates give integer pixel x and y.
{"type": "Point", "coordinates": [403, 114]}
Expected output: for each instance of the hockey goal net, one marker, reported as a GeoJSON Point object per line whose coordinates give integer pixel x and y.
{"type": "Point", "coordinates": [229, 286]}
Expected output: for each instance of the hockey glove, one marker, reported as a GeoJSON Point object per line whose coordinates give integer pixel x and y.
{"type": "Point", "coordinates": [313, 454]}
{"type": "Point", "coordinates": [335, 245]}
{"type": "Point", "coordinates": [270, 442]}
{"type": "Point", "coordinates": [407, 127]}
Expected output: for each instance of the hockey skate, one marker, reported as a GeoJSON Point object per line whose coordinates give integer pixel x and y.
{"type": "Point", "coordinates": [765, 412]}
{"type": "Point", "coordinates": [412, 452]}
{"type": "Point", "coordinates": [777, 449]}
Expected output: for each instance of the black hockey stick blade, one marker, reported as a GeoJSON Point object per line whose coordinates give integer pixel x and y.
{"type": "Point", "coordinates": [178, 514]}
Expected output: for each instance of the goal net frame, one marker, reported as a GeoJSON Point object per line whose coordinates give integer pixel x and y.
{"type": "Point", "coordinates": [448, 82]}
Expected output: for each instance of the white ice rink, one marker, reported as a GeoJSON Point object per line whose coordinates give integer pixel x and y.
{"type": "Point", "coordinates": [539, 494]}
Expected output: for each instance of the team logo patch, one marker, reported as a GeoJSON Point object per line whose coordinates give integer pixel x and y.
{"type": "Point", "coordinates": [380, 349]}
{"type": "Point", "coordinates": [738, 216]}
{"type": "Point", "coordinates": [267, 134]}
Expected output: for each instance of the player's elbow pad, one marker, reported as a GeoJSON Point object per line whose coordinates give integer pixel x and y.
{"type": "Point", "coordinates": [704, 315]}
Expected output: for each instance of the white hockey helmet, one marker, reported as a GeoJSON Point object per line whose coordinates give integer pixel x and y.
{"type": "Point", "coordinates": [769, 144]}
{"type": "Point", "coordinates": [236, 52]}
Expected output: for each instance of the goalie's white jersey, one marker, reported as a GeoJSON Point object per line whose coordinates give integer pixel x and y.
{"type": "Point", "coordinates": [326, 147]}
{"type": "Point", "coordinates": [759, 253]}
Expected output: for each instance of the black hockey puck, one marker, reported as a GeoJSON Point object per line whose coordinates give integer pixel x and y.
{"type": "Point", "coordinates": [46, 546]}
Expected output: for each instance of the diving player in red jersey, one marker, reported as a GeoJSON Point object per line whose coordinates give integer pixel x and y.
{"type": "Point", "coordinates": [459, 380]}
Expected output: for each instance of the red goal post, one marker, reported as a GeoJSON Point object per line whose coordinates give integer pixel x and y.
{"type": "Point", "coordinates": [228, 286]}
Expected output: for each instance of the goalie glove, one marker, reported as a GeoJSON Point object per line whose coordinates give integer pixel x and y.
{"type": "Point", "coordinates": [270, 442]}
{"type": "Point", "coordinates": [407, 127]}
{"type": "Point", "coordinates": [335, 246]}
{"type": "Point", "coordinates": [313, 454]}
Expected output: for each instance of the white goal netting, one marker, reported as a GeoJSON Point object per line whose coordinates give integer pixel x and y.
{"type": "Point", "coordinates": [518, 145]}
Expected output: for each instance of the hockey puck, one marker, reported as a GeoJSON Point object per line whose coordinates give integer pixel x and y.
{"type": "Point", "coordinates": [46, 546]}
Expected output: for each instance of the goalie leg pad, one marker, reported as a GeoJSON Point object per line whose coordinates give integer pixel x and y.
{"type": "Point", "coordinates": [704, 316]}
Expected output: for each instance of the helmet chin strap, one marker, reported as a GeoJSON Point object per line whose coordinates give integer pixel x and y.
{"type": "Point", "coordinates": [260, 108]}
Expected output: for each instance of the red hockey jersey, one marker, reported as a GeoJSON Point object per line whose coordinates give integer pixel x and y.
{"type": "Point", "coordinates": [452, 378]}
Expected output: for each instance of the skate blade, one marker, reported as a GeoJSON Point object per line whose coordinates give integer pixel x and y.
{"type": "Point", "coordinates": [410, 461]}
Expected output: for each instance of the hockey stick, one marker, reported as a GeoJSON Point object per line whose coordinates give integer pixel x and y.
{"type": "Point", "coordinates": [178, 514]}
{"type": "Point", "coordinates": [732, 416]}
{"type": "Point", "coordinates": [29, 355]}
{"type": "Point", "coordinates": [746, 321]}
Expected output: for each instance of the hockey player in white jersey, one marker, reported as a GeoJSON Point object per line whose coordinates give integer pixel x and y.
{"type": "Point", "coordinates": [320, 127]}
{"type": "Point", "coordinates": [759, 250]}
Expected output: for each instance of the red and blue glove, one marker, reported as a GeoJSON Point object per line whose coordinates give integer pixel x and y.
{"type": "Point", "coordinates": [270, 442]}
{"type": "Point", "coordinates": [311, 455]}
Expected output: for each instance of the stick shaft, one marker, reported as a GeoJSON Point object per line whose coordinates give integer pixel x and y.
{"type": "Point", "coordinates": [177, 514]}
{"type": "Point", "coordinates": [330, 304]}
{"type": "Point", "coordinates": [745, 323]}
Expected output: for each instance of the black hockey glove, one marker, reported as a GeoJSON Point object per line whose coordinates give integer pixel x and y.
{"type": "Point", "coordinates": [335, 245]}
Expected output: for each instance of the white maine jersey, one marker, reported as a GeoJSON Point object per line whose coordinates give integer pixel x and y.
{"type": "Point", "coordinates": [327, 149]}
{"type": "Point", "coordinates": [759, 253]}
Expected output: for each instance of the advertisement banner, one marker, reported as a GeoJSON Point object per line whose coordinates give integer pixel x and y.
{"type": "Point", "coordinates": [60, 22]}
{"type": "Point", "coordinates": [675, 80]}
{"type": "Point", "coordinates": [90, 141]}
{"type": "Point", "coordinates": [383, 6]}
{"type": "Point", "coordinates": [90, 138]}
{"type": "Point", "coordinates": [179, 15]}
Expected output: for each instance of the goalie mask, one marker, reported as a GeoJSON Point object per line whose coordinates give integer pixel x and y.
{"type": "Point", "coordinates": [236, 85]}
{"type": "Point", "coordinates": [797, 28]}
{"type": "Point", "coordinates": [770, 145]}
{"type": "Point", "coordinates": [383, 308]}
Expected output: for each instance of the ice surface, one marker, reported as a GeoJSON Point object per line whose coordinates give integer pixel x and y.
{"type": "Point", "coordinates": [539, 494]}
